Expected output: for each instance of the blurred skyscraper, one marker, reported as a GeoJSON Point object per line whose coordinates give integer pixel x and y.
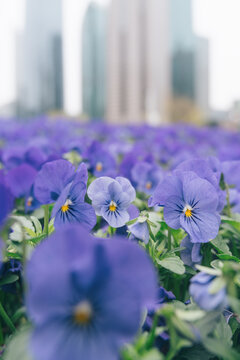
{"type": "Point", "coordinates": [39, 60]}
{"type": "Point", "coordinates": [94, 61]}
{"type": "Point", "coordinates": [138, 68]}
{"type": "Point", "coordinates": [189, 57]}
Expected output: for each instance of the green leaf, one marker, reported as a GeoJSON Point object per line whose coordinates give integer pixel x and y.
{"type": "Point", "coordinates": [235, 221]}
{"type": "Point", "coordinates": [221, 245]}
{"type": "Point", "coordinates": [208, 270]}
{"type": "Point", "coordinates": [30, 232]}
{"type": "Point", "coordinates": [208, 323]}
{"type": "Point", "coordinates": [37, 225]}
{"type": "Point", "coordinates": [9, 279]}
{"type": "Point", "coordinates": [172, 263]}
{"type": "Point", "coordinates": [228, 257]}
{"type": "Point", "coordinates": [196, 352]}
{"type": "Point", "coordinates": [190, 315]}
{"type": "Point", "coordinates": [37, 239]}
{"type": "Point", "coordinates": [153, 354]}
{"type": "Point", "coordinates": [18, 346]}
{"type": "Point", "coordinates": [223, 331]}
{"type": "Point", "coordinates": [216, 285]}
{"type": "Point", "coordinates": [235, 304]}
{"type": "Point", "coordinates": [219, 348]}
{"type": "Point", "coordinates": [131, 222]}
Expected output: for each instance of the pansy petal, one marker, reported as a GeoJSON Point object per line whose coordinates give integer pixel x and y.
{"type": "Point", "coordinates": [99, 185]}
{"type": "Point", "coordinates": [127, 187]}
{"type": "Point", "coordinates": [200, 194]}
{"type": "Point", "coordinates": [172, 211]}
{"type": "Point", "coordinates": [52, 179]}
{"type": "Point", "coordinates": [115, 218]}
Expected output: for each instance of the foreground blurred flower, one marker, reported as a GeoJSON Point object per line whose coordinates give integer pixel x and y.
{"type": "Point", "coordinates": [71, 208]}
{"type": "Point", "coordinates": [111, 199]}
{"type": "Point", "coordinates": [189, 203]}
{"type": "Point", "coordinates": [86, 295]}
{"type": "Point", "coordinates": [204, 295]}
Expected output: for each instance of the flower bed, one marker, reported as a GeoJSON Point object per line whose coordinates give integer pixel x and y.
{"type": "Point", "coordinates": [119, 242]}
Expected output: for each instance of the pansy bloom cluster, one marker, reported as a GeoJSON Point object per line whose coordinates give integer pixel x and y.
{"type": "Point", "coordinates": [119, 243]}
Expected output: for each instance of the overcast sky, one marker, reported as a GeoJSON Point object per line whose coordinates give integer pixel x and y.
{"type": "Point", "coordinates": [218, 20]}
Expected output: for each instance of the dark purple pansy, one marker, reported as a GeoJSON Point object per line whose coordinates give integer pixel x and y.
{"type": "Point", "coordinates": [189, 203]}
{"type": "Point", "coordinates": [54, 177]}
{"type": "Point", "coordinates": [71, 208]}
{"type": "Point", "coordinates": [208, 169]}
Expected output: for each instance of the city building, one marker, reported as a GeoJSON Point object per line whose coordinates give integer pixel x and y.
{"type": "Point", "coordinates": [138, 68]}
{"type": "Point", "coordinates": [94, 61]}
{"type": "Point", "coordinates": [189, 59]}
{"type": "Point", "coordinates": [39, 60]}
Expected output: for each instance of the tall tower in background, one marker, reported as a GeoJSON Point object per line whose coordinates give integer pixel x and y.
{"type": "Point", "coordinates": [40, 83]}
{"type": "Point", "coordinates": [189, 58]}
{"type": "Point", "coordinates": [138, 68]}
{"type": "Point", "coordinates": [94, 61]}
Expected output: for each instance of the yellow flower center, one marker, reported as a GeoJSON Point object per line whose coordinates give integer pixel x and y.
{"type": "Point", "coordinates": [29, 201]}
{"type": "Point", "coordinates": [148, 185]}
{"type": "Point", "coordinates": [188, 211]}
{"type": "Point", "coordinates": [99, 166]}
{"type": "Point", "coordinates": [65, 207]}
{"type": "Point", "coordinates": [112, 206]}
{"type": "Point", "coordinates": [83, 313]}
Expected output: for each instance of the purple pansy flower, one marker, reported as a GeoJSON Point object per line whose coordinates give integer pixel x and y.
{"type": "Point", "coordinates": [101, 163]}
{"type": "Point", "coordinates": [231, 171]}
{"type": "Point", "coordinates": [111, 199]}
{"type": "Point", "coordinates": [6, 199]}
{"type": "Point", "coordinates": [53, 177]}
{"type": "Point", "coordinates": [189, 203]}
{"type": "Point", "coordinates": [86, 295]}
{"type": "Point", "coordinates": [200, 290]}
{"type": "Point", "coordinates": [234, 200]}
{"type": "Point", "coordinates": [146, 176]}
{"type": "Point", "coordinates": [191, 255]}
{"type": "Point", "coordinates": [20, 179]}
{"type": "Point", "coordinates": [71, 208]}
{"type": "Point", "coordinates": [208, 169]}
{"type": "Point", "coordinates": [139, 230]}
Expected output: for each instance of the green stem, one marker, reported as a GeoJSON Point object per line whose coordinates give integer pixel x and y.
{"type": "Point", "coordinates": [111, 230]}
{"type": "Point", "coordinates": [46, 219]}
{"type": "Point", "coordinates": [151, 337]}
{"type": "Point", "coordinates": [6, 318]}
{"type": "Point", "coordinates": [229, 213]}
{"type": "Point", "coordinates": [1, 335]}
{"type": "Point", "coordinates": [169, 239]}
